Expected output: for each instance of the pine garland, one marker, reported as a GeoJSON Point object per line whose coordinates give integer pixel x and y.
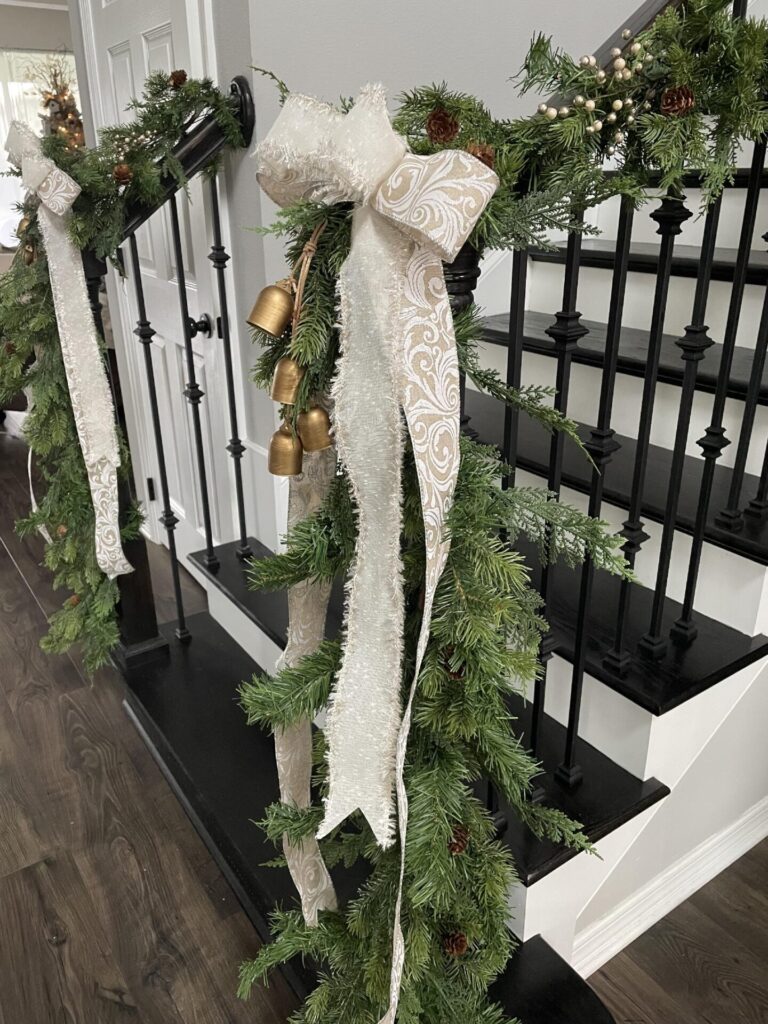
{"type": "Point", "coordinates": [30, 355]}
{"type": "Point", "coordinates": [486, 624]}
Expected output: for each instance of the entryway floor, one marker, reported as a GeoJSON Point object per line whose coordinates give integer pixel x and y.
{"type": "Point", "coordinates": [113, 911]}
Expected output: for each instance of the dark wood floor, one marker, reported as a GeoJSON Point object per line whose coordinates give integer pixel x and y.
{"type": "Point", "coordinates": [112, 911]}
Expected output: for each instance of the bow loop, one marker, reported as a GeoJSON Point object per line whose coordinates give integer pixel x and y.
{"type": "Point", "coordinates": [40, 175]}
{"type": "Point", "coordinates": [437, 200]}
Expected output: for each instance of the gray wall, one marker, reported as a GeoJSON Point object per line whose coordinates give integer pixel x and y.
{"type": "Point", "coordinates": [31, 28]}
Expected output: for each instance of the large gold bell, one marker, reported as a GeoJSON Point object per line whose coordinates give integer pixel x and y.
{"type": "Point", "coordinates": [273, 309]}
{"type": "Point", "coordinates": [286, 380]}
{"type": "Point", "coordinates": [285, 453]}
{"type": "Point", "coordinates": [29, 254]}
{"type": "Point", "coordinates": [23, 227]}
{"type": "Point", "coordinates": [315, 429]}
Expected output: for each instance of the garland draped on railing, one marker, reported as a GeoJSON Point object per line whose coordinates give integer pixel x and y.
{"type": "Point", "coordinates": [681, 95]}
{"type": "Point", "coordinates": [128, 169]}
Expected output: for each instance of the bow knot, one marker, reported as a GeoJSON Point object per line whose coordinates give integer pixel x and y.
{"type": "Point", "coordinates": [39, 174]}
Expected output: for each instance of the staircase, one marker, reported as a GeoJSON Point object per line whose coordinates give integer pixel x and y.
{"type": "Point", "coordinates": [649, 721]}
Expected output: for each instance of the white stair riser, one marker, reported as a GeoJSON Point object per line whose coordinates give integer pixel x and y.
{"type": "Point", "coordinates": [731, 589]}
{"type": "Point", "coordinates": [584, 395]}
{"type": "Point", "coordinates": [644, 228]}
{"type": "Point", "coordinates": [545, 285]}
{"type": "Point", "coordinates": [589, 908]}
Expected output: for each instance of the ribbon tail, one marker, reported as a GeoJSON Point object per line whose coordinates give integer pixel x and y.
{"type": "Point", "coordinates": [430, 397]}
{"type": "Point", "coordinates": [307, 609]}
{"type": "Point", "coordinates": [88, 388]}
{"type": "Point", "coordinates": [364, 710]}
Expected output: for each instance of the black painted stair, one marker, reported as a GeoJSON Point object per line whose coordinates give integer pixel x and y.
{"type": "Point", "coordinates": [609, 796]}
{"type": "Point", "coordinates": [644, 259]}
{"type": "Point", "coordinates": [633, 353]}
{"type": "Point", "coordinates": [185, 708]}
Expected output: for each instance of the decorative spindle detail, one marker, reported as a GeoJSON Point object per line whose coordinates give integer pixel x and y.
{"type": "Point", "coordinates": [219, 258]}
{"type": "Point", "coordinates": [670, 217]}
{"type": "Point", "coordinates": [565, 332]}
{"type": "Point", "coordinates": [730, 518]}
{"type": "Point", "coordinates": [601, 445]}
{"type": "Point", "coordinates": [461, 278]}
{"type": "Point", "coordinates": [714, 440]}
{"type": "Point", "coordinates": [192, 391]}
{"type": "Point", "coordinates": [145, 333]}
{"type": "Point", "coordinates": [694, 345]}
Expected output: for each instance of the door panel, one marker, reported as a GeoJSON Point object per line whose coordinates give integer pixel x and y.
{"type": "Point", "coordinates": [124, 41]}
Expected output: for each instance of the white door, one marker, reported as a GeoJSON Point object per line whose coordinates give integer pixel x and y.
{"type": "Point", "coordinates": [124, 40]}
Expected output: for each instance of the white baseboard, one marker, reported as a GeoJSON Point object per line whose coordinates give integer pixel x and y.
{"type": "Point", "coordinates": [600, 942]}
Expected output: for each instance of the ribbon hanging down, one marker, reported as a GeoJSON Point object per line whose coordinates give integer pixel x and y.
{"type": "Point", "coordinates": [398, 351]}
{"type": "Point", "coordinates": [80, 349]}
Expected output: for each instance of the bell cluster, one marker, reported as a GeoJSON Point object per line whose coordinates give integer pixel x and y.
{"type": "Point", "coordinates": [273, 313]}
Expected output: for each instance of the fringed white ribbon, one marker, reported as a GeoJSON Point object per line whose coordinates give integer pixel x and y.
{"type": "Point", "coordinates": [80, 349]}
{"type": "Point", "coordinates": [398, 352]}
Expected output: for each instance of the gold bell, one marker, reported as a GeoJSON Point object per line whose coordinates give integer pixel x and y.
{"type": "Point", "coordinates": [285, 453]}
{"type": "Point", "coordinates": [286, 380]}
{"type": "Point", "coordinates": [273, 309]}
{"type": "Point", "coordinates": [23, 227]}
{"type": "Point", "coordinates": [29, 254]}
{"type": "Point", "coordinates": [315, 429]}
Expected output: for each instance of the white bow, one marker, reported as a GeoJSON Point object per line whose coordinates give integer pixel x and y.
{"type": "Point", "coordinates": [398, 352]}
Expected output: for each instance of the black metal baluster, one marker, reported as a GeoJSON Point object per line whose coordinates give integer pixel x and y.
{"type": "Point", "coordinates": [192, 391]}
{"type": "Point", "coordinates": [565, 332]}
{"type": "Point", "coordinates": [758, 506]}
{"type": "Point", "coordinates": [730, 518]}
{"type": "Point", "coordinates": [601, 446]}
{"type": "Point", "coordinates": [670, 217]}
{"type": "Point", "coordinates": [714, 441]}
{"type": "Point", "coordinates": [219, 258]}
{"type": "Point", "coordinates": [514, 361]}
{"type": "Point", "coordinates": [694, 345]}
{"type": "Point", "coordinates": [145, 334]}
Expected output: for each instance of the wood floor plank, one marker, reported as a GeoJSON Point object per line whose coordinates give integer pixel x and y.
{"type": "Point", "coordinates": [22, 840]}
{"type": "Point", "coordinates": [700, 965]}
{"type": "Point", "coordinates": [635, 998]}
{"type": "Point", "coordinates": [50, 923]}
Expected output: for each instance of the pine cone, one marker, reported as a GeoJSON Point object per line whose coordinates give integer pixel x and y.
{"type": "Point", "coordinates": [10, 348]}
{"type": "Point", "coordinates": [455, 943]}
{"type": "Point", "coordinates": [61, 531]}
{"type": "Point", "coordinates": [676, 101]}
{"type": "Point", "coordinates": [442, 127]}
{"type": "Point", "coordinates": [122, 173]}
{"type": "Point", "coordinates": [484, 152]}
{"type": "Point", "coordinates": [74, 601]}
{"type": "Point", "coordinates": [459, 840]}
{"type": "Point", "coordinates": [177, 78]}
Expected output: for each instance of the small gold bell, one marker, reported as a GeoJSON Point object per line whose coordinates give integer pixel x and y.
{"type": "Point", "coordinates": [23, 227]}
{"type": "Point", "coordinates": [285, 453]}
{"type": "Point", "coordinates": [286, 380]}
{"type": "Point", "coordinates": [315, 429]}
{"type": "Point", "coordinates": [29, 254]}
{"type": "Point", "coordinates": [273, 309]}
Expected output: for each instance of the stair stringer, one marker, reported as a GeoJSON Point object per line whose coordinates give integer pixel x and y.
{"type": "Point", "coordinates": [572, 906]}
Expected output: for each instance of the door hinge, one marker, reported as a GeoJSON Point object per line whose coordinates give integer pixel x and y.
{"type": "Point", "coordinates": [150, 488]}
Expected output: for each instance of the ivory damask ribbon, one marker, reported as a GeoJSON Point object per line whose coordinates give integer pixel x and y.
{"type": "Point", "coordinates": [398, 352]}
{"type": "Point", "coordinates": [80, 349]}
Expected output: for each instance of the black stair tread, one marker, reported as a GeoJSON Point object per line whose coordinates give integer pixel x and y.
{"type": "Point", "coordinates": [611, 797]}
{"type": "Point", "coordinates": [644, 258]}
{"type": "Point", "coordinates": [487, 418]}
{"type": "Point", "coordinates": [633, 353]}
{"type": "Point", "coordinates": [542, 988]}
{"type": "Point", "coordinates": [186, 710]}
{"type": "Point", "coordinates": [607, 797]}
